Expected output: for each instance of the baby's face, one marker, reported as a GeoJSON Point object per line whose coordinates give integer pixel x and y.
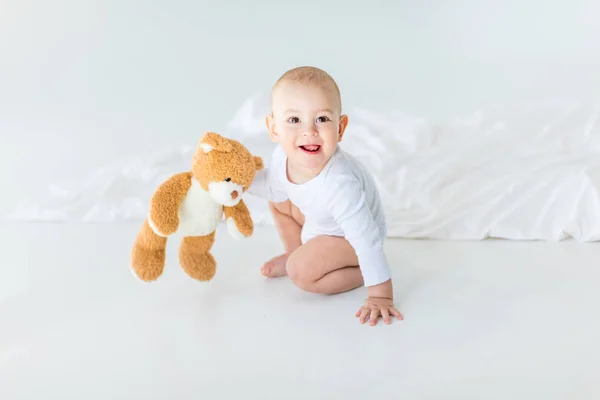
{"type": "Point", "coordinates": [306, 122]}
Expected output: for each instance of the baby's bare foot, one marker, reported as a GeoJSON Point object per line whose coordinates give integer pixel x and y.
{"type": "Point", "coordinates": [275, 267]}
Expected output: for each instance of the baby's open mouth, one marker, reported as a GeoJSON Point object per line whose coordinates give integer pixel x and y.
{"type": "Point", "coordinates": [311, 148]}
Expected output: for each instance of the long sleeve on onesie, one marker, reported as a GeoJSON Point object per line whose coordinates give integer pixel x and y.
{"type": "Point", "coordinates": [341, 201]}
{"type": "Point", "coordinates": [266, 184]}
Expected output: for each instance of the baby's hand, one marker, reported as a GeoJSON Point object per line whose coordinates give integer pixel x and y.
{"type": "Point", "coordinates": [374, 307]}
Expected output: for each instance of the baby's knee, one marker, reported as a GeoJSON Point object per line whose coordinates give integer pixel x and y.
{"type": "Point", "coordinates": [298, 271]}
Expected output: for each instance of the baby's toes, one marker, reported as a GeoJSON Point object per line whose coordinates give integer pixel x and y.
{"type": "Point", "coordinates": [266, 269]}
{"type": "Point", "coordinates": [275, 267]}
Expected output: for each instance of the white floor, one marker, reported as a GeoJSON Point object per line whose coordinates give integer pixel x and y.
{"type": "Point", "coordinates": [493, 320]}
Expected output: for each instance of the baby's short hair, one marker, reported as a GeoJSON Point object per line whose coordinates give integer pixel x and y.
{"type": "Point", "coordinates": [311, 76]}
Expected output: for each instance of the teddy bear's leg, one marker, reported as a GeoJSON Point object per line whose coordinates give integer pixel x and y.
{"type": "Point", "coordinates": [195, 257]}
{"type": "Point", "coordinates": [148, 254]}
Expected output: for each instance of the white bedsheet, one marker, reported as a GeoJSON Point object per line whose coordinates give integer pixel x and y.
{"type": "Point", "coordinates": [529, 172]}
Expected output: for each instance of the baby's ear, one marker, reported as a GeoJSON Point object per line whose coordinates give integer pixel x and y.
{"type": "Point", "coordinates": [258, 162]}
{"type": "Point", "coordinates": [213, 141]}
{"type": "Point", "coordinates": [270, 122]}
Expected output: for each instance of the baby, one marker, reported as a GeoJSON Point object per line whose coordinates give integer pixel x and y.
{"type": "Point", "coordinates": [324, 202]}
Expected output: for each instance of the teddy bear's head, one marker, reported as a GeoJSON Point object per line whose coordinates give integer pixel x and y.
{"type": "Point", "coordinates": [224, 168]}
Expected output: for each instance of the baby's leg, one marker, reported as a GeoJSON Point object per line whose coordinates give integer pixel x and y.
{"type": "Point", "coordinates": [326, 265]}
{"type": "Point", "coordinates": [288, 221]}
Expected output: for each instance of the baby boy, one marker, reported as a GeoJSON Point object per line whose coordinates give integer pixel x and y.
{"type": "Point", "coordinates": [324, 202]}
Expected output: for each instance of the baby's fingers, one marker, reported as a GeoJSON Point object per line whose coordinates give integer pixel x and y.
{"type": "Point", "coordinates": [386, 316]}
{"type": "Point", "coordinates": [363, 315]}
{"type": "Point", "coordinates": [374, 315]}
{"type": "Point", "coordinates": [396, 313]}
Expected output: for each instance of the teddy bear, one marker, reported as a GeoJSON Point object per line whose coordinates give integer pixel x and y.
{"type": "Point", "coordinates": [192, 204]}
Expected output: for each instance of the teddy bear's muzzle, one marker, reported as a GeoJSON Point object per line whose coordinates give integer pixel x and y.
{"type": "Point", "coordinates": [226, 193]}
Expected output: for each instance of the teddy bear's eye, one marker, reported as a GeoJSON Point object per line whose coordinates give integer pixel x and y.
{"type": "Point", "coordinates": [227, 179]}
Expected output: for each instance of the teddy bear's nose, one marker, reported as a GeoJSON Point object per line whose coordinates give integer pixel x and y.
{"type": "Point", "coordinates": [234, 194]}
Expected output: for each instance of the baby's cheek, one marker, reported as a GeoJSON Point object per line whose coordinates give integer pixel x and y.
{"type": "Point", "coordinates": [289, 134]}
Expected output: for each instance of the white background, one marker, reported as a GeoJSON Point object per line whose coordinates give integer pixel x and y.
{"type": "Point", "coordinates": [84, 83]}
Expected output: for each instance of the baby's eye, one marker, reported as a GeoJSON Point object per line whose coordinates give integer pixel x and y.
{"type": "Point", "coordinates": [294, 120]}
{"type": "Point", "coordinates": [323, 118]}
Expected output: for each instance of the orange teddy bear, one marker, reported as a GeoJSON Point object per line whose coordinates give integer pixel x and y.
{"type": "Point", "coordinates": [192, 204]}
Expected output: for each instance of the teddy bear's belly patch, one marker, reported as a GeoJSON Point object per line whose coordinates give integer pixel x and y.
{"type": "Point", "coordinates": [199, 214]}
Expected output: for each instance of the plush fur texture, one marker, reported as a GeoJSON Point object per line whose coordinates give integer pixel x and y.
{"type": "Point", "coordinates": [192, 204]}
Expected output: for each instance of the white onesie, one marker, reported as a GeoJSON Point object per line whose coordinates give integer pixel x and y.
{"type": "Point", "coordinates": [341, 201]}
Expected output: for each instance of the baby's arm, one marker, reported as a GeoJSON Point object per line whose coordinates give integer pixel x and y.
{"type": "Point", "coordinates": [265, 184]}
{"type": "Point", "coordinates": [347, 204]}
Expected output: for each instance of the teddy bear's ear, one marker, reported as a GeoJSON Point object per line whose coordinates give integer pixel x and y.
{"type": "Point", "coordinates": [258, 162]}
{"type": "Point", "coordinates": [213, 141]}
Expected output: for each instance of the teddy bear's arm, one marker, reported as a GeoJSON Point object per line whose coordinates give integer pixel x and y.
{"type": "Point", "coordinates": [164, 206]}
{"type": "Point", "coordinates": [238, 219]}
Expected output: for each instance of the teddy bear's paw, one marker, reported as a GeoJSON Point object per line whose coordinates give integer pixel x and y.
{"type": "Point", "coordinates": [233, 230]}
{"type": "Point", "coordinates": [146, 264]}
{"type": "Point", "coordinates": [198, 266]}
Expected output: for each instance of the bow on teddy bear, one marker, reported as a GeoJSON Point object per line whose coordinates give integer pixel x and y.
{"type": "Point", "coordinates": [192, 204]}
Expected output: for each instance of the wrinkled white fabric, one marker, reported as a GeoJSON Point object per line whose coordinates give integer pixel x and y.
{"type": "Point", "coordinates": [524, 173]}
